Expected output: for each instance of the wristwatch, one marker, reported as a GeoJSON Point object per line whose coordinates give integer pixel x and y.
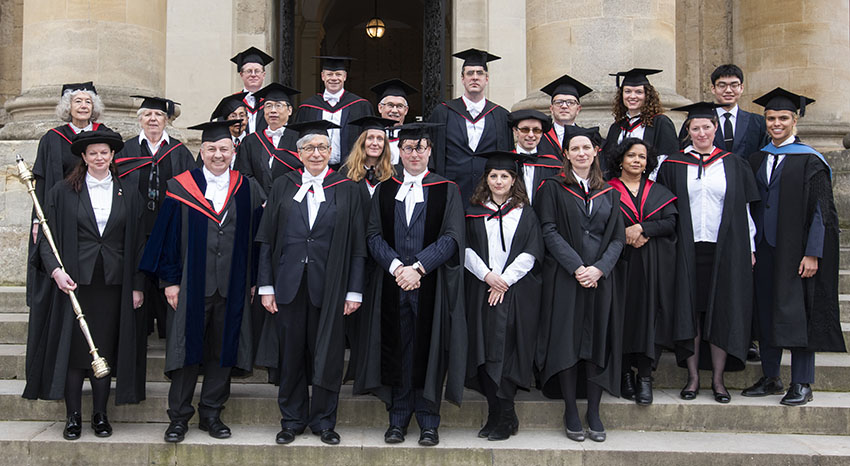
{"type": "Point", "coordinates": [418, 268]}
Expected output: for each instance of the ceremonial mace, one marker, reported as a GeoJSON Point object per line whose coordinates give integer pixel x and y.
{"type": "Point", "coordinates": [98, 364]}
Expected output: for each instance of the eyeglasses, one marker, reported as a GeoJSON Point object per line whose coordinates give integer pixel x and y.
{"type": "Point", "coordinates": [307, 150]}
{"type": "Point", "coordinates": [526, 130]}
{"type": "Point", "coordinates": [253, 71]}
{"type": "Point", "coordinates": [723, 85]}
{"type": "Point", "coordinates": [565, 103]}
{"type": "Point", "coordinates": [275, 105]}
{"type": "Point", "coordinates": [420, 149]}
{"type": "Point", "coordinates": [393, 106]}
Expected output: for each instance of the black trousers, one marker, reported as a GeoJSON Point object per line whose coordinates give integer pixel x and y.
{"type": "Point", "coordinates": [297, 325]}
{"type": "Point", "coordinates": [215, 389]}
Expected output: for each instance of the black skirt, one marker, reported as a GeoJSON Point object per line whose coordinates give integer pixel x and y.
{"type": "Point", "coordinates": [101, 304]}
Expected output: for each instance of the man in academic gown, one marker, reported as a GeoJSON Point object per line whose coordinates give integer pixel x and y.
{"type": "Point", "coordinates": [267, 154]}
{"type": "Point", "coordinates": [146, 165]}
{"type": "Point", "coordinates": [566, 93]}
{"type": "Point", "coordinates": [232, 107]}
{"type": "Point", "coordinates": [529, 127]}
{"type": "Point", "coordinates": [393, 105]}
{"type": "Point", "coordinates": [336, 105]}
{"type": "Point", "coordinates": [251, 66]}
{"type": "Point", "coordinates": [310, 275]}
{"type": "Point", "coordinates": [470, 125]}
{"type": "Point", "coordinates": [796, 270]}
{"type": "Point", "coordinates": [201, 252]}
{"type": "Point", "coordinates": [416, 330]}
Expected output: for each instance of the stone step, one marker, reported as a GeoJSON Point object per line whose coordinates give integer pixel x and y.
{"type": "Point", "coordinates": [832, 374]}
{"type": "Point", "coordinates": [844, 306]}
{"type": "Point", "coordinates": [256, 404]}
{"type": "Point", "coordinates": [13, 328]}
{"type": "Point", "coordinates": [844, 256]}
{"type": "Point", "coordinates": [13, 299]}
{"type": "Point", "coordinates": [26, 443]}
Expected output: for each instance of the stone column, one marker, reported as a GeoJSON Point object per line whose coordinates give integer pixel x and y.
{"type": "Point", "coordinates": [802, 46]}
{"type": "Point", "coordinates": [118, 44]}
{"type": "Point", "coordinates": [588, 39]}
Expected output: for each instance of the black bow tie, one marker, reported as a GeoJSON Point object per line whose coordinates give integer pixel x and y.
{"type": "Point", "coordinates": [500, 213]}
{"type": "Point", "coordinates": [370, 175]}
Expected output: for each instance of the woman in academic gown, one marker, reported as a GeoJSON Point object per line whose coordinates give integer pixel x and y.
{"type": "Point", "coordinates": [504, 248]}
{"type": "Point", "coordinates": [713, 276]}
{"type": "Point", "coordinates": [637, 114]}
{"type": "Point", "coordinates": [368, 164]}
{"type": "Point", "coordinates": [79, 107]}
{"type": "Point", "coordinates": [796, 271]}
{"type": "Point", "coordinates": [146, 163]}
{"type": "Point", "coordinates": [581, 318]}
{"type": "Point", "coordinates": [92, 218]}
{"type": "Point", "coordinates": [649, 213]}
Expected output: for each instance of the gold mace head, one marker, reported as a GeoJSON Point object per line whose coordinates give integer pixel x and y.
{"type": "Point", "coordinates": [24, 172]}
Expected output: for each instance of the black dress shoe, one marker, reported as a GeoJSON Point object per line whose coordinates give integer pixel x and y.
{"type": "Point", "coordinates": [328, 436]}
{"type": "Point", "coordinates": [101, 425]}
{"type": "Point", "coordinates": [720, 397]}
{"type": "Point", "coordinates": [73, 426]}
{"type": "Point", "coordinates": [643, 392]}
{"type": "Point", "coordinates": [214, 427]}
{"type": "Point", "coordinates": [764, 387]}
{"type": "Point", "coordinates": [429, 437]}
{"type": "Point", "coordinates": [753, 353]}
{"type": "Point", "coordinates": [176, 431]}
{"type": "Point", "coordinates": [627, 385]}
{"type": "Point", "coordinates": [798, 395]}
{"type": "Point", "coordinates": [286, 435]}
{"type": "Point", "coordinates": [508, 425]}
{"type": "Point", "coordinates": [395, 434]}
{"type": "Point", "coordinates": [689, 394]}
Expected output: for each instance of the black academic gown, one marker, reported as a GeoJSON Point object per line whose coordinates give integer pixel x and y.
{"type": "Point", "coordinates": [451, 156]}
{"type": "Point", "coordinates": [176, 254]}
{"type": "Point", "coordinates": [52, 323]}
{"type": "Point", "coordinates": [53, 162]}
{"type": "Point", "coordinates": [805, 311]}
{"type": "Point", "coordinates": [545, 166]}
{"type": "Point", "coordinates": [661, 135]}
{"type": "Point", "coordinates": [255, 151]}
{"type": "Point", "coordinates": [352, 107]}
{"type": "Point", "coordinates": [440, 346]}
{"type": "Point", "coordinates": [551, 144]}
{"type": "Point", "coordinates": [728, 317]}
{"type": "Point", "coordinates": [579, 324]}
{"type": "Point", "coordinates": [347, 245]}
{"type": "Point", "coordinates": [257, 109]}
{"type": "Point", "coordinates": [645, 273]}
{"type": "Point", "coordinates": [503, 338]}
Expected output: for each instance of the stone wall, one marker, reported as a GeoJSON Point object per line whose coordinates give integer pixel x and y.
{"type": "Point", "coordinates": [11, 32]}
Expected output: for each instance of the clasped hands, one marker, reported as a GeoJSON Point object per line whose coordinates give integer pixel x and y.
{"type": "Point", "coordinates": [635, 237]}
{"type": "Point", "coordinates": [498, 288]}
{"type": "Point", "coordinates": [406, 277]}
{"type": "Point", "coordinates": [588, 277]}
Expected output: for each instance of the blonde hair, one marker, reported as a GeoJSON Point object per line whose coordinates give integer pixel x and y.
{"type": "Point", "coordinates": [357, 158]}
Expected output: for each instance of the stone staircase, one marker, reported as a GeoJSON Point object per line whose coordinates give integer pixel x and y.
{"type": "Point", "coordinates": [755, 431]}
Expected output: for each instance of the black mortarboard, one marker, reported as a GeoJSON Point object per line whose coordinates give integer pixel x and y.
{"type": "Point", "coordinates": [157, 103]}
{"type": "Point", "coordinates": [634, 77]}
{"type": "Point", "coordinates": [104, 136]}
{"type": "Point", "coordinates": [332, 63]}
{"type": "Point", "coordinates": [780, 99]}
{"type": "Point", "coordinates": [312, 127]}
{"type": "Point", "coordinates": [529, 114]}
{"type": "Point", "coordinates": [566, 85]}
{"type": "Point", "coordinates": [215, 130]}
{"type": "Point", "coordinates": [502, 160]}
{"type": "Point", "coordinates": [416, 131]}
{"type": "Point", "coordinates": [573, 131]}
{"type": "Point", "coordinates": [88, 87]}
{"type": "Point", "coordinates": [475, 57]}
{"type": "Point", "coordinates": [228, 105]}
{"type": "Point", "coordinates": [276, 92]}
{"type": "Point", "coordinates": [699, 110]}
{"type": "Point", "coordinates": [372, 122]}
{"type": "Point", "coordinates": [251, 55]}
{"type": "Point", "coordinates": [393, 87]}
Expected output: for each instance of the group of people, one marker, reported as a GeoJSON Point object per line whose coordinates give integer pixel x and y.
{"type": "Point", "coordinates": [483, 249]}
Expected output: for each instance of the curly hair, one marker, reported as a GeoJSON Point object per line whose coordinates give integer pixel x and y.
{"type": "Point", "coordinates": [518, 196]}
{"type": "Point", "coordinates": [63, 108]}
{"type": "Point", "coordinates": [357, 158]}
{"type": "Point", "coordinates": [650, 108]}
{"type": "Point", "coordinates": [618, 153]}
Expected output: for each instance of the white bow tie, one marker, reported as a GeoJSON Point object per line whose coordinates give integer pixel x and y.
{"type": "Point", "coordinates": [217, 182]}
{"type": "Point", "coordinates": [272, 133]}
{"type": "Point", "coordinates": [411, 185]}
{"type": "Point", "coordinates": [331, 99]}
{"type": "Point", "coordinates": [104, 184]}
{"type": "Point", "coordinates": [309, 181]}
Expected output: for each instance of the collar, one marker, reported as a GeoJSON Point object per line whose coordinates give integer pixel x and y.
{"type": "Point", "coordinates": [79, 130]}
{"type": "Point", "coordinates": [520, 150]}
{"type": "Point", "coordinates": [249, 95]}
{"type": "Point", "coordinates": [470, 105]}
{"type": "Point", "coordinates": [327, 95]}
{"type": "Point", "coordinates": [722, 111]}
{"type": "Point", "coordinates": [692, 149]}
{"type": "Point", "coordinates": [307, 177]}
{"type": "Point", "coordinates": [220, 181]}
{"type": "Point", "coordinates": [581, 180]}
{"type": "Point", "coordinates": [408, 178]}
{"type": "Point", "coordinates": [143, 137]}
{"type": "Point", "coordinates": [790, 140]}
{"type": "Point", "coordinates": [94, 183]}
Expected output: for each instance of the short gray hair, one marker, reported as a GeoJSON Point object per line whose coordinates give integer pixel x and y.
{"type": "Point", "coordinates": [142, 110]}
{"type": "Point", "coordinates": [63, 108]}
{"type": "Point", "coordinates": [304, 140]}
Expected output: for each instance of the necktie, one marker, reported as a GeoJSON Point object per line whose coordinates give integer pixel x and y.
{"type": "Point", "coordinates": [773, 168]}
{"type": "Point", "coordinates": [701, 166]}
{"type": "Point", "coordinates": [370, 175]}
{"type": "Point", "coordinates": [500, 214]}
{"type": "Point", "coordinates": [586, 197]}
{"type": "Point", "coordinates": [728, 131]}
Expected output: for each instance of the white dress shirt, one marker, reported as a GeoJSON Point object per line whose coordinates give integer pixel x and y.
{"type": "Point", "coordinates": [275, 137]}
{"type": "Point", "coordinates": [780, 158]}
{"type": "Point", "coordinates": [559, 131]}
{"type": "Point", "coordinates": [583, 184]}
{"type": "Point", "coordinates": [334, 117]}
{"type": "Point", "coordinates": [100, 193]}
{"type": "Point", "coordinates": [635, 133]}
{"type": "Point", "coordinates": [474, 130]}
{"type": "Point", "coordinates": [521, 265]}
{"type": "Point", "coordinates": [252, 116]}
{"type": "Point", "coordinates": [393, 141]}
{"type": "Point", "coordinates": [528, 173]}
{"type": "Point", "coordinates": [706, 196]}
{"type": "Point", "coordinates": [217, 187]}
{"type": "Point", "coordinates": [154, 148]}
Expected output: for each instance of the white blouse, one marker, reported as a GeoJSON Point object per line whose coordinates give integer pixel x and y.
{"type": "Point", "coordinates": [524, 261]}
{"type": "Point", "coordinates": [100, 193]}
